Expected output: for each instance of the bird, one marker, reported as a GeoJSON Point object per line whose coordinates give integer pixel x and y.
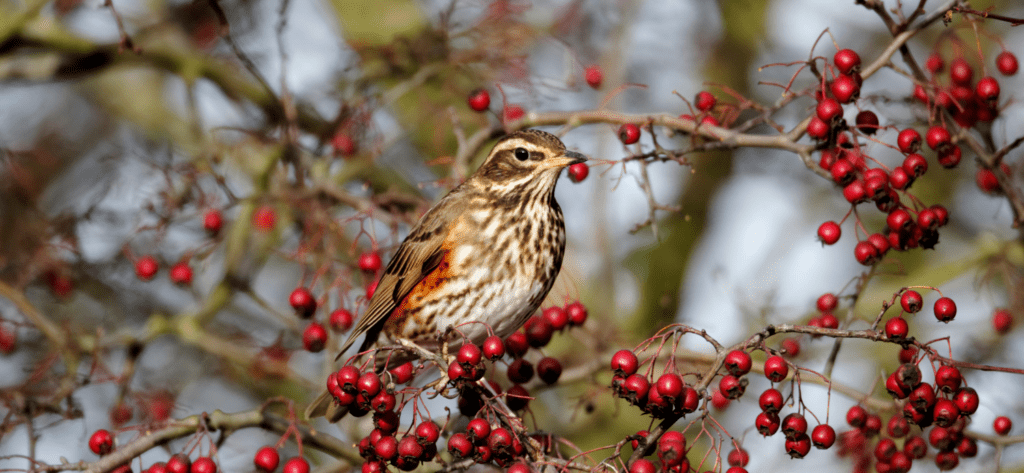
{"type": "Point", "coordinates": [489, 252]}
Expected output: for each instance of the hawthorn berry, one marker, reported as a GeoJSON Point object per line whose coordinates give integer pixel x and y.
{"type": "Point", "coordinates": [867, 122]}
{"type": "Point", "coordinates": [823, 436]}
{"type": "Point", "coordinates": [629, 133]}
{"type": "Point", "coordinates": [934, 63]}
{"type": "Point", "coordinates": [967, 447]}
{"type": "Point", "coordinates": [266, 459]}
{"type": "Point", "coordinates": [556, 316]}
{"type": "Point", "coordinates": [146, 267]}
{"type": "Point", "coordinates": [798, 446]}
{"type": "Point", "coordinates": [341, 320]}
{"type": "Point", "coordinates": [847, 61]}
{"type": "Point", "coordinates": [212, 221]}
{"type": "Point", "coordinates": [477, 430]}
{"type": "Point", "coordinates": [302, 300]}
{"type": "Point", "coordinates": [771, 400]}
{"type": "Point", "coordinates": [517, 398]}
{"type": "Point", "coordinates": [577, 313]}
{"type": "Point", "coordinates": [578, 172]}
{"type": "Point", "coordinates": [737, 362]}
{"type": "Point", "coordinates": [896, 388]}
{"type": "Point", "coordinates": [264, 218]}
{"type": "Point", "coordinates": [790, 347]}
{"type": "Point", "coordinates": [897, 328]}
{"type": "Point", "coordinates": [314, 338]}
{"type": "Point", "coordinates": [624, 363]}
{"type": "Point", "coordinates": [898, 427]}
{"type": "Point", "coordinates": [946, 460]}
{"type": "Point", "coordinates": [829, 232]}
{"type": "Point", "coordinates": [593, 76]}
{"type": "Point", "coordinates": [866, 253]}
{"type": "Point", "coordinates": [643, 465]}
{"type": "Point", "coordinates": [767, 423]}
{"type": "Point", "coordinates": [343, 144]}
{"type": "Point", "coordinates": [296, 465]}
{"type": "Point", "coordinates": [181, 274]}
{"type": "Point", "coordinates": [427, 432]}
{"type": "Point", "coordinates": [909, 141]}
{"type": "Point", "coordinates": [538, 331]}
{"type": "Point", "coordinates": [911, 301]}
{"type": "Point", "coordinates": [1006, 62]}
{"type": "Point", "coordinates": [512, 113]}
{"type": "Point", "coordinates": [845, 88]}
{"type": "Point", "coordinates": [987, 89]}
{"type": "Point", "coordinates": [948, 378]}
{"type": "Point", "coordinates": [829, 111]}
{"type": "Point", "coordinates": [101, 442]}
{"type": "Point", "coordinates": [402, 373]}
{"type": "Point", "coordinates": [915, 447]}
{"type": "Point", "coordinates": [945, 412]}
{"type": "Point", "coordinates": [945, 309]}
{"type": "Point", "coordinates": [549, 370]}
{"type": "Point", "coordinates": [817, 128]}
{"type": "Point", "coordinates": [1002, 425]}
{"type": "Point", "coordinates": [775, 368]}
{"type": "Point", "coordinates": [827, 302]}
{"type": "Point", "coordinates": [205, 465]}
{"type": "Point", "coordinates": [719, 401]}
{"type": "Point", "coordinates": [732, 387]}
{"type": "Point", "coordinates": [885, 449]}
{"type": "Point", "coordinates": [738, 457]}
{"type": "Point", "coordinates": [937, 136]}
{"type": "Point", "coordinates": [516, 344]}
{"type": "Point", "coordinates": [856, 417]}
{"type": "Point", "coordinates": [843, 171]}
{"type": "Point", "coordinates": [520, 371]}
{"type": "Point", "coordinates": [1002, 321]}
{"type": "Point", "coordinates": [493, 348]}
{"type": "Point", "coordinates": [179, 463]}
{"type": "Point", "coordinates": [855, 192]}
{"type": "Point", "coordinates": [479, 100]}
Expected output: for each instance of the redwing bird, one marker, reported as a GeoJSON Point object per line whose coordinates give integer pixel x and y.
{"type": "Point", "coordinates": [488, 252]}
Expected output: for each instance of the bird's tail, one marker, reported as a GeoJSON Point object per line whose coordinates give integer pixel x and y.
{"type": "Point", "coordinates": [325, 406]}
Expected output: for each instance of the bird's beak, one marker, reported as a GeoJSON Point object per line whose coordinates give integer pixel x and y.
{"type": "Point", "coordinates": [565, 160]}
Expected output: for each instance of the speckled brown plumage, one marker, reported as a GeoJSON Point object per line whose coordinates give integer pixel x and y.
{"type": "Point", "coordinates": [488, 252]}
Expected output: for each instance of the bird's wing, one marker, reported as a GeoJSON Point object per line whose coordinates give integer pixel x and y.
{"type": "Point", "coordinates": [420, 253]}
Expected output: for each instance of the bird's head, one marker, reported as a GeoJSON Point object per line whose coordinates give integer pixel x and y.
{"type": "Point", "coordinates": [527, 156]}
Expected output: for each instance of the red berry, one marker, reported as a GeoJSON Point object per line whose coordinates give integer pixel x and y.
{"type": "Point", "coordinates": [516, 344]}
{"type": "Point", "coordinates": [705, 101]}
{"type": "Point", "coordinates": [899, 220]}
{"type": "Point", "coordinates": [935, 64]}
{"type": "Point", "coordinates": [946, 460]}
{"type": "Point", "coordinates": [966, 400]}
{"type": "Point", "coordinates": [767, 424]}
{"type": "Point", "coordinates": [369, 262]}
{"type": "Point", "coordinates": [719, 401]}
{"type": "Point", "coordinates": [538, 331]}
{"type": "Point", "coordinates": [793, 425]}
{"type": "Point", "coordinates": [493, 348]}
{"type": "Point", "coordinates": [643, 465]}
{"type": "Point", "coordinates": [827, 302]}
{"type": "Point", "coordinates": [477, 430]}
{"type": "Point", "coordinates": [847, 61]}
{"type": "Point", "coordinates": [915, 165]}
{"type": "Point", "coordinates": [945, 412]}
{"type": "Point", "coordinates": [266, 459]}
{"type": "Point", "coordinates": [988, 89]}
{"type": "Point", "coordinates": [370, 289]}
{"type": "Point", "coordinates": [212, 221]}
{"type": "Point", "coordinates": [549, 370]}
{"type": "Point", "coordinates": [770, 401]}
{"type": "Point", "coordinates": [624, 363]}
{"type": "Point", "coordinates": [577, 313]}
{"type": "Point", "coordinates": [594, 76]}
{"type": "Point", "coordinates": [368, 384]}
{"type": "Point", "coordinates": [798, 446]}
{"type": "Point", "coordinates": [987, 181]}
{"type": "Point", "coordinates": [520, 371]}
{"type": "Point", "coordinates": [1006, 62]}
{"type": "Point", "coordinates": [920, 94]}
{"type": "Point", "coordinates": [402, 373]}
{"type": "Point", "coordinates": [635, 388]}
{"type": "Point", "coordinates": [479, 100]}
{"type": "Point", "coordinates": [303, 302]}
{"type": "Point", "coordinates": [776, 369]}
{"type": "Point", "coordinates": [829, 111]}
{"type": "Point", "coordinates": [556, 316]}
{"type": "Point", "coordinates": [427, 432]}
{"type": "Point", "coordinates": [732, 387]}
{"type": "Point", "coordinates": [937, 136]}
{"type": "Point", "coordinates": [843, 172]}
{"type": "Point", "coordinates": [1002, 321]}
{"type": "Point", "coordinates": [343, 144]}
{"type": "Point", "coordinates": [945, 309]}
{"type": "Point", "coordinates": [823, 436]}
{"type": "Point", "coordinates": [101, 442]}
{"type": "Point", "coordinates": [867, 122]}
{"type": "Point", "coordinates": [845, 89]}
{"type": "Point", "coordinates": [897, 328]}
{"type": "Point", "coordinates": [179, 463]}
{"type": "Point", "coordinates": [829, 232]}
{"type": "Point", "coordinates": [856, 417]}
{"type": "Point", "coordinates": [1002, 425]}
{"type": "Point", "coordinates": [578, 172]}
{"type": "Point", "coordinates": [896, 387]}
{"type": "Point", "coordinates": [817, 128]}
{"type": "Point", "coordinates": [907, 354]}
{"type": "Point", "coordinates": [738, 457]}
{"type": "Point", "coordinates": [203, 465]}
{"type": "Point", "coordinates": [264, 218]}
{"type": "Point", "coordinates": [898, 427]}
{"type": "Point", "coordinates": [885, 449]}
{"type": "Point", "coordinates": [341, 320]}
{"type": "Point", "coordinates": [297, 465]}
{"type": "Point", "coordinates": [469, 354]}
{"type": "Point", "coordinates": [866, 253]}
{"type": "Point", "coordinates": [911, 301]}
{"type": "Point", "coordinates": [967, 447]}
{"type": "Point", "coordinates": [146, 267]}
{"type": "Point", "coordinates": [181, 274]}
{"type": "Point", "coordinates": [314, 337]}
{"type": "Point", "coordinates": [960, 71]}
{"type": "Point", "coordinates": [512, 113]}
{"type": "Point", "coordinates": [629, 133]}
{"type": "Point", "coordinates": [948, 378]}
{"type": "Point", "coordinates": [880, 243]}
{"type": "Point", "coordinates": [909, 141]}
{"type": "Point", "coordinates": [737, 362]}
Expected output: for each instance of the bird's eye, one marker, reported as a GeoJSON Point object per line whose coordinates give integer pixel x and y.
{"type": "Point", "coordinates": [522, 154]}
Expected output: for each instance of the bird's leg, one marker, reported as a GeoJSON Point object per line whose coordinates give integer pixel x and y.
{"type": "Point", "coordinates": [425, 354]}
